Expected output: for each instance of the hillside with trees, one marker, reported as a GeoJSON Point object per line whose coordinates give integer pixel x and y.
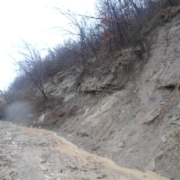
{"type": "Point", "coordinates": [112, 88]}
{"type": "Point", "coordinates": [94, 41]}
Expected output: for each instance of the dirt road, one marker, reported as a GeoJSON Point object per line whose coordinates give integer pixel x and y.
{"type": "Point", "coordinates": [33, 154]}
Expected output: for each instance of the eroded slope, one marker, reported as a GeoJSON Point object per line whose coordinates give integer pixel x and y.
{"type": "Point", "coordinates": [130, 117]}
{"type": "Point", "coordinates": [137, 126]}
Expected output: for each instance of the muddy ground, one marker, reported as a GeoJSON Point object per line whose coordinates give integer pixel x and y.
{"type": "Point", "coordinates": [27, 153]}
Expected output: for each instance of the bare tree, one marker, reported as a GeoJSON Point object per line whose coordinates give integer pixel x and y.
{"type": "Point", "coordinates": [81, 31]}
{"type": "Point", "coordinates": [32, 65]}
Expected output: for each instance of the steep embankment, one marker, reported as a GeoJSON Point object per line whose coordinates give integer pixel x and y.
{"type": "Point", "coordinates": [127, 111]}
{"type": "Point", "coordinates": [27, 153]}
{"type": "Point", "coordinates": [138, 123]}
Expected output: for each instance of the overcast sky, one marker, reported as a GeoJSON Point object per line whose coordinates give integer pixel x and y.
{"type": "Point", "coordinates": [32, 21]}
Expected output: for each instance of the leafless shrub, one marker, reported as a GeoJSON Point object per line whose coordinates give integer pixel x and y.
{"type": "Point", "coordinates": [122, 21]}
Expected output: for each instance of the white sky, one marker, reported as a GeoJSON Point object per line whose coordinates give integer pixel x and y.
{"type": "Point", "coordinates": [32, 21]}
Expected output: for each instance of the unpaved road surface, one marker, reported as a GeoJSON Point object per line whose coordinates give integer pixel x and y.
{"type": "Point", "coordinates": [33, 154]}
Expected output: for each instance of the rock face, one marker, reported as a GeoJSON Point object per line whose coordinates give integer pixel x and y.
{"type": "Point", "coordinates": [27, 153]}
{"type": "Point", "coordinates": [143, 114]}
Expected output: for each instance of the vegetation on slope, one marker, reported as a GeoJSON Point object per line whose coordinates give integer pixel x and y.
{"type": "Point", "coordinates": [95, 40]}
